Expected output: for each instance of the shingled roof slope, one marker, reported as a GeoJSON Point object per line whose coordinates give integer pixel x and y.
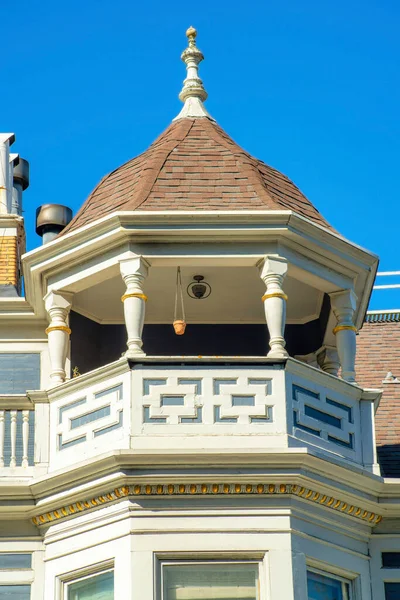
{"type": "Point", "coordinates": [194, 165]}
{"type": "Point", "coordinates": [378, 352]}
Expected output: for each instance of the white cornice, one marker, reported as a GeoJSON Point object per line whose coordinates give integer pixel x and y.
{"type": "Point", "coordinates": [138, 227]}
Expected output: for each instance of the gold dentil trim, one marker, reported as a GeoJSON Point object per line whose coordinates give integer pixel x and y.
{"type": "Point", "coordinates": [202, 489]}
{"type": "Point", "coordinates": [142, 296]}
{"type": "Point", "coordinates": [343, 328]}
{"type": "Point", "coordinates": [58, 328]}
{"type": "Point", "coordinates": [274, 295]}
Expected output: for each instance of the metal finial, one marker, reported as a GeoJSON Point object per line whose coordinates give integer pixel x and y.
{"type": "Point", "coordinates": [191, 35]}
{"type": "Point", "coordinates": [193, 93]}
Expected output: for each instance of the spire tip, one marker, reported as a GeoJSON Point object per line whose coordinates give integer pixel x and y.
{"type": "Point", "coordinates": [191, 35]}
{"type": "Point", "coordinates": [193, 93]}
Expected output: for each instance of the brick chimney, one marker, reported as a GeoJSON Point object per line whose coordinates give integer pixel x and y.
{"type": "Point", "coordinates": [12, 231]}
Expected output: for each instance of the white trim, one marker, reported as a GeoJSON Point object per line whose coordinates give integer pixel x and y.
{"type": "Point", "coordinates": [64, 581]}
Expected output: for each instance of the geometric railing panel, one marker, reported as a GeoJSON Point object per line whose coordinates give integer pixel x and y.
{"type": "Point", "coordinates": [172, 401]}
{"type": "Point", "coordinates": [242, 403]}
{"type": "Point", "coordinates": [207, 400]}
{"type": "Point", "coordinates": [89, 417]}
{"type": "Point", "coordinates": [322, 417]}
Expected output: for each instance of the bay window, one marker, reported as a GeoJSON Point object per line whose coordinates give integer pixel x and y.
{"type": "Point", "coordinates": [324, 586]}
{"type": "Point", "coordinates": [210, 581]}
{"type": "Point", "coordinates": [93, 587]}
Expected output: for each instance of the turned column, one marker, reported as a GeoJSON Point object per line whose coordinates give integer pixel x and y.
{"type": "Point", "coordinates": [273, 271]}
{"type": "Point", "coordinates": [343, 305]}
{"type": "Point", "coordinates": [134, 272]}
{"type": "Point", "coordinates": [58, 305]}
{"type": "Point", "coordinates": [328, 360]}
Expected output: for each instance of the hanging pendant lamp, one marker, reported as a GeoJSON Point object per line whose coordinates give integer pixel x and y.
{"type": "Point", "coordinates": [179, 324]}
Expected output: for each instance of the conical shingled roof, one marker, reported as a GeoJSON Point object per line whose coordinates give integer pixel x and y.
{"type": "Point", "coordinates": [194, 165]}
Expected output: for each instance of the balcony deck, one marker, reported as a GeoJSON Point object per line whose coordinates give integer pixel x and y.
{"type": "Point", "coordinates": [188, 403]}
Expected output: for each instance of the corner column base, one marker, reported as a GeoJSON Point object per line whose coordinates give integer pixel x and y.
{"type": "Point", "coordinates": [134, 353]}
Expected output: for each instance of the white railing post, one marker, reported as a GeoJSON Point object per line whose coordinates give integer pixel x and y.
{"type": "Point", "coordinates": [13, 432]}
{"type": "Point", "coordinates": [42, 428]}
{"type": "Point", "coordinates": [25, 437]}
{"type": "Point", "coordinates": [2, 427]}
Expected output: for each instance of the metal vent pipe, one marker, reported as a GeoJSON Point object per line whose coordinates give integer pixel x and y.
{"type": "Point", "coordinates": [51, 219]}
{"type": "Point", "coordinates": [20, 183]}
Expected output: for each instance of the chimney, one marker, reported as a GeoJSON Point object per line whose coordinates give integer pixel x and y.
{"type": "Point", "coordinates": [12, 232]}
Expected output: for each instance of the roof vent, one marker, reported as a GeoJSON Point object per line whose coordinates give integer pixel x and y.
{"type": "Point", "coordinates": [51, 219]}
{"type": "Point", "coordinates": [20, 183]}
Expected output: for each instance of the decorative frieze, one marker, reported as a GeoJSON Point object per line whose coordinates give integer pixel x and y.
{"type": "Point", "coordinates": [208, 489]}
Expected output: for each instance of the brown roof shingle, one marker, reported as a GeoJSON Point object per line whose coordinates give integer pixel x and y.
{"type": "Point", "coordinates": [378, 352]}
{"type": "Point", "coordinates": [194, 165]}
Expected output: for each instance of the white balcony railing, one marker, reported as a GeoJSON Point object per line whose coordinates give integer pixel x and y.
{"type": "Point", "coordinates": [162, 404]}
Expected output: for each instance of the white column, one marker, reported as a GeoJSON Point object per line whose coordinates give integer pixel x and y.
{"type": "Point", "coordinates": [58, 305]}
{"type": "Point", "coordinates": [273, 271]}
{"type": "Point", "coordinates": [328, 360]}
{"type": "Point", "coordinates": [134, 272]}
{"type": "Point", "coordinates": [6, 139]}
{"type": "Point", "coordinates": [343, 305]}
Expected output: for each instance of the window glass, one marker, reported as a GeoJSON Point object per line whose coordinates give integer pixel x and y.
{"type": "Point", "coordinates": [15, 592]}
{"type": "Point", "coordinates": [392, 591]}
{"type": "Point", "coordinates": [19, 372]}
{"type": "Point", "coordinates": [98, 587]}
{"type": "Point", "coordinates": [196, 581]}
{"type": "Point", "coordinates": [322, 587]}
{"type": "Point", "coordinates": [15, 561]}
{"type": "Point", "coordinates": [390, 560]}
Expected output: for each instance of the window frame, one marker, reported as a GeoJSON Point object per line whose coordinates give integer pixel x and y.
{"type": "Point", "coordinates": [77, 575]}
{"type": "Point", "coordinates": [207, 559]}
{"type": "Point", "coordinates": [335, 576]}
{"type": "Point", "coordinates": [385, 581]}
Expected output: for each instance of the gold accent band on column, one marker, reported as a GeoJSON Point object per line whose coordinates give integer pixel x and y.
{"type": "Point", "coordinates": [343, 327]}
{"type": "Point", "coordinates": [141, 296]}
{"type": "Point", "coordinates": [58, 328]}
{"type": "Point", "coordinates": [274, 295]}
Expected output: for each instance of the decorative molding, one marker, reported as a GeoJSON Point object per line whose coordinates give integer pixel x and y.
{"type": "Point", "coordinates": [208, 489]}
{"type": "Point", "coordinates": [274, 295]}
{"type": "Point", "coordinates": [141, 296]}
{"type": "Point", "coordinates": [343, 328]}
{"type": "Point", "coordinates": [58, 328]}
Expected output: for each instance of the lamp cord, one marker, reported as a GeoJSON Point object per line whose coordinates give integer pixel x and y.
{"type": "Point", "coordinates": [179, 289]}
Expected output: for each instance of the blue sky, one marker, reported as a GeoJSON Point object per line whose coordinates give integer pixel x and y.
{"type": "Point", "coordinates": [310, 87]}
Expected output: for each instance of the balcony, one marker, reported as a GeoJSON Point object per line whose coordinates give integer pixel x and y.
{"type": "Point", "coordinates": [192, 403]}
